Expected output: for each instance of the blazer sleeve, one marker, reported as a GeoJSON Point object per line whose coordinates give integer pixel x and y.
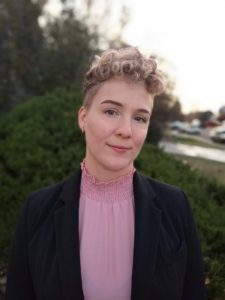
{"type": "Point", "coordinates": [19, 282]}
{"type": "Point", "coordinates": [194, 287]}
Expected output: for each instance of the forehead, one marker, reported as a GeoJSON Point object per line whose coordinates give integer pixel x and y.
{"type": "Point", "coordinates": [124, 91]}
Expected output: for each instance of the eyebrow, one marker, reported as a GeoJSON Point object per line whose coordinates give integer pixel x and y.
{"type": "Point", "coordinates": [141, 110]}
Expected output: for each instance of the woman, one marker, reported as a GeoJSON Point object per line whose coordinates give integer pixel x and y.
{"type": "Point", "coordinates": [109, 232]}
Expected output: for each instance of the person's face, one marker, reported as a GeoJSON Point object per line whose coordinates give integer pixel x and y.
{"type": "Point", "coordinates": [115, 125]}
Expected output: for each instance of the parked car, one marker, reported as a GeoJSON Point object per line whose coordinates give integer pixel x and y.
{"type": "Point", "coordinates": [177, 125]}
{"type": "Point", "coordinates": [218, 134]}
{"type": "Point", "coordinates": [185, 127]}
{"type": "Point", "coordinates": [195, 130]}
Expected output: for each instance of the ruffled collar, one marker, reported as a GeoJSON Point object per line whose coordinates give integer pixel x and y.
{"type": "Point", "coordinates": [114, 190]}
{"type": "Point", "coordinates": [94, 180]}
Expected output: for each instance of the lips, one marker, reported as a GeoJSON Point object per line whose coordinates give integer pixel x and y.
{"type": "Point", "coordinates": [120, 149]}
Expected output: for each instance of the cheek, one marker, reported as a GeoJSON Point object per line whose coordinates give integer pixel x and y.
{"type": "Point", "coordinates": [139, 140]}
{"type": "Point", "coordinates": [140, 137]}
{"type": "Point", "coordinates": [101, 125]}
{"type": "Point", "coordinates": [96, 131]}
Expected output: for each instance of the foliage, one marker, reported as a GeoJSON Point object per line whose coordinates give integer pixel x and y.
{"type": "Point", "coordinates": [155, 133]}
{"type": "Point", "coordinates": [37, 59]}
{"type": "Point", "coordinates": [166, 108]}
{"type": "Point", "coordinates": [20, 49]}
{"type": "Point", "coordinates": [202, 116]}
{"type": "Point", "coordinates": [69, 46]}
{"type": "Point", "coordinates": [41, 144]}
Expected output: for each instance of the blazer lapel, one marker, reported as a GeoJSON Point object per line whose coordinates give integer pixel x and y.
{"type": "Point", "coordinates": [67, 239]}
{"type": "Point", "coordinates": [147, 228]}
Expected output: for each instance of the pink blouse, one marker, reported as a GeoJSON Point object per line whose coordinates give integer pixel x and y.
{"type": "Point", "coordinates": [106, 231]}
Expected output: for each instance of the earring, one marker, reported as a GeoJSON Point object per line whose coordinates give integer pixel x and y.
{"type": "Point", "coordinates": [82, 129]}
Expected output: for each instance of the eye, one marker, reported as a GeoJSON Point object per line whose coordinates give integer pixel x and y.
{"type": "Point", "coordinates": [141, 119]}
{"type": "Point", "coordinates": [111, 112]}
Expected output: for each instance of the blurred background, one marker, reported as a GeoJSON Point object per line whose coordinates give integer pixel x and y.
{"type": "Point", "coordinates": [45, 48]}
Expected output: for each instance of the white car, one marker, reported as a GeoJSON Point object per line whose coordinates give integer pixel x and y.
{"type": "Point", "coordinates": [218, 134]}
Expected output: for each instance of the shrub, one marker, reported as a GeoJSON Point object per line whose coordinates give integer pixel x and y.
{"type": "Point", "coordinates": [155, 133]}
{"type": "Point", "coordinates": [40, 145]}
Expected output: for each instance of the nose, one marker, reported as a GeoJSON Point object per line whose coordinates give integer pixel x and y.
{"type": "Point", "coordinates": [124, 128]}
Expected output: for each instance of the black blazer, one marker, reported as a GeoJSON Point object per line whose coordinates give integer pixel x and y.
{"type": "Point", "coordinates": [45, 262]}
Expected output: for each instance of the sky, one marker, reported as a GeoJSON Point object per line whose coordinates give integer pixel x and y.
{"type": "Point", "coordinates": [188, 34]}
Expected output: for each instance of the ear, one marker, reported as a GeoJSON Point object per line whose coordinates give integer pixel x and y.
{"type": "Point", "coordinates": [82, 117]}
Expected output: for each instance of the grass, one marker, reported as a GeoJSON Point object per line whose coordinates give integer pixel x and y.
{"type": "Point", "coordinates": [211, 169]}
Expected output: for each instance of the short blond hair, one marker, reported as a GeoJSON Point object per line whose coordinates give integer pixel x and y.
{"type": "Point", "coordinates": [125, 63]}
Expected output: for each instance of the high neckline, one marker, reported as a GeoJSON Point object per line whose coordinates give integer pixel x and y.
{"type": "Point", "coordinates": [114, 190]}
{"type": "Point", "coordinates": [95, 181]}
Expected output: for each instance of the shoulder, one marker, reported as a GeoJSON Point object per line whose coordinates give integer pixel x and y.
{"type": "Point", "coordinates": [44, 197]}
{"type": "Point", "coordinates": [158, 187]}
{"type": "Point", "coordinates": [48, 196]}
{"type": "Point", "coordinates": [170, 199]}
{"type": "Point", "coordinates": [41, 204]}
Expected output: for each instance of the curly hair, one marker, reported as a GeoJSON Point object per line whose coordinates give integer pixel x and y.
{"type": "Point", "coordinates": [126, 63]}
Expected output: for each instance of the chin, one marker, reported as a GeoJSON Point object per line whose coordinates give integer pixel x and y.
{"type": "Point", "coordinates": [119, 166]}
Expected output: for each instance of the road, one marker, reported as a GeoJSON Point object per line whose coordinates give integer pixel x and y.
{"type": "Point", "coordinates": [194, 151]}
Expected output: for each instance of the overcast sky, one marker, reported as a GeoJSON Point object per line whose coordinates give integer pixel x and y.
{"type": "Point", "coordinates": [189, 35]}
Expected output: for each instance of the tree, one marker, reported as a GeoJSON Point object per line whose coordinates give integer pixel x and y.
{"type": "Point", "coordinates": [69, 45]}
{"type": "Point", "coordinates": [21, 46]}
{"type": "Point", "coordinates": [202, 116]}
{"type": "Point", "coordinates": [4, 56]}
{"type": "Point", "coordinates": [36, 59]}
{"type": "Point", "coordinates": [166, 108]}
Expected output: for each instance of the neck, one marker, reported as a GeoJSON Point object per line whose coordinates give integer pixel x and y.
{"type": "Point", "coordinates": [104, 174]}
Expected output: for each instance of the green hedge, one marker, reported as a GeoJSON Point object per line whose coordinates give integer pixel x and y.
{"type": "Point", "coordinates": [41, 144]}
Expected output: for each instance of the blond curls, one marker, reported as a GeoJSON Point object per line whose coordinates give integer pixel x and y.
{"type": "Point", "coordinates": [127, 63]}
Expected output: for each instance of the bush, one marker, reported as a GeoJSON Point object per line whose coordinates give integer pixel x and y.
{"type": "Point", "coordinates": [155, 133]}
{"type": "Point", "coordinates": [41, 144]}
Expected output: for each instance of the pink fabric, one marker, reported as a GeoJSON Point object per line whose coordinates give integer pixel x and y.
{"type": "Point", "coordinates": [106, 229]}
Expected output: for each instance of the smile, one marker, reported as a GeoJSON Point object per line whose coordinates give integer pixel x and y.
{"type": "Point", "coordinates": [119, 149]}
